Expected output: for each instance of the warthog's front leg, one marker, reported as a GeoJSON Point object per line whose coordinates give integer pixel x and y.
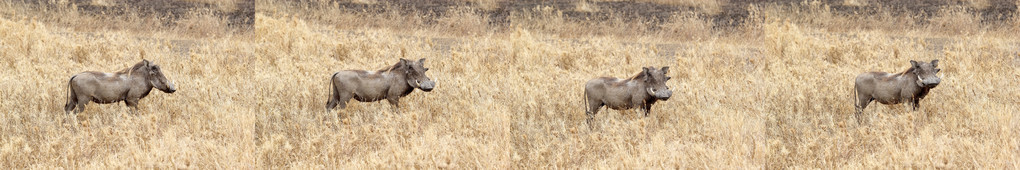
{"type": "Point", "coordinates": [916, 103]}
{"type": "Point", "coordinates": [395, 101]}
{"type": "Point", "coordinates": [132, 105]}
{"type": "Point", "coordinates": [647, 107]}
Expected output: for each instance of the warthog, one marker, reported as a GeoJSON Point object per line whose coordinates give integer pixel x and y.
{"type": "Point", "coordinates": [621, 94]}
{"type": "Point", "coordinates": [909, 86]}
{"type": "Point", "coordinates": [128, 85]}
{"type": "Point", "coordinates": [389, 83]}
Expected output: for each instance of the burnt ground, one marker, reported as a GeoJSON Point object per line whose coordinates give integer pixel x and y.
{"type": "Point", "coordinates": [733, 12]}
{"type": "Point", "coordinates": [242, 18]}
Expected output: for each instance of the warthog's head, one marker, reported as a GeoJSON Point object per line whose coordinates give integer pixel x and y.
{"type": "Point", "coordinates": [415, 71]}
{"type": "Point", "coordinates": [156, 79]}
{"type": "Point", "coordinates": [926, 73]}
{"type": "Point", "coordinates": [655, 82]}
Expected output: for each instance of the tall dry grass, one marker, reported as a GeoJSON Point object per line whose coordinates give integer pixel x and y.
{"type": "Point", "coordinates": [195, 128]}
{"type": "Point", "coordinates": [775, 92]}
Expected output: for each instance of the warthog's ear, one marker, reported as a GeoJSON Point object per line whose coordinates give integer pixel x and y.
{"type": "Point", "coordinates": [404, 64]}
{"type": "Point", "coordinates": [665, 70]}
{"type": "Point", "coordinates": [935, 63]}
{"type": "Point", "coordinates": [913, 64]}
{"type": "Point", "coordinates": [645, 73]}
{"type": "Point", "coordinates": [421, 61]}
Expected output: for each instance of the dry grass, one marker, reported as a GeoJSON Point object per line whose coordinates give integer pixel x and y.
{"type": "Point", "coordinates": [779, 98]}
{"type": "Point", "coordinates": [774, 93]}
{"type": "Point", "coordinates": [195, 128]}
{"type": "Point", "coordinates": [222, 5]}
{"type": "Point", "coordinates": [199, 127]}
{"type": "Point", "coordinates": [710, 7]}
{"type": "Point", "coordinates": [199, 23]}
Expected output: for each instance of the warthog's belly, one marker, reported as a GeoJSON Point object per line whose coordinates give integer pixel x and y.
{"type": "Point", "coordinates": [367, 99]}
{"type": "Point", "coordinates": [889, 101]}
{"type": "Point", "coordinates": [105, 101]}
{"type": "Point", "coordinates": [619, 106]}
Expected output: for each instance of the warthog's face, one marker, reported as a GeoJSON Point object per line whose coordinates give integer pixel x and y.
{"type": "Point", "coordinates": [158, 80]}
{"type": "Point", "coordinates": [655, 81]}
{"type": "Point", "coordinates": [926, 73]}
{"type": "Point", "coordinates": [416, 75]}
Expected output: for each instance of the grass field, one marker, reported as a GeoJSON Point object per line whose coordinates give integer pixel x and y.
{"type": "Point", "coordinates": [768, 88]}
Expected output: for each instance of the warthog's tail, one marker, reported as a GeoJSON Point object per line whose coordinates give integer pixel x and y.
{"type": "Point", "coordinates": [585, 98]}
{"type": "Point", "coordinates": [70, 99]}
{"type": "Point", "coordinates": [590, 118]}
{"type": "Point", "coordinates": [332, 90]}
{"type": "Point", "coordinates": [857, 104]}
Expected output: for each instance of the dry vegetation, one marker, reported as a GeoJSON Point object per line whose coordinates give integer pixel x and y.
{"type": "Point", "coordinates": [200, 127]}
{"type": "Point", "coordinates": [772, 92]}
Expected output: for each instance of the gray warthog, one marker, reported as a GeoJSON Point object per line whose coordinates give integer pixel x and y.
{"type": "Point", "coordinates": [128, 85]}
{"type": "Point", "coordinates": [389, 83]}
{"type": "Point", "coordinates": [621, 94]}
{"type": "Point", "coordinates": [909, 86]}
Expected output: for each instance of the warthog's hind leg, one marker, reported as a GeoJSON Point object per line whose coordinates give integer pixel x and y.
{"type": "Point", "coordinates": [862, 103]}
{"type": "Point", "coordinates": [70, 106]}
{"type": "Point", "coordinates": [81, 104]}
{"type": "Point", "coordinates": [68, 111]}
{"type": "Point", "coordinates": [331, 104]}
{"type": "Point", "coordinates": [338, 99]}
{"type": "Point", "coordinates": [593, 109]}
{"type": "Point", "coordinates": [80, 107]}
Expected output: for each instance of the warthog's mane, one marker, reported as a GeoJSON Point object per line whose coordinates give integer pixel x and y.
{"type": "Point", "coordinates": [639, 76]}
{"type": "Point", "coordinates": [391, 68]}
{"type": "Point", "coordinates": [129, 70]}
{"type": "Point", "coordinates": [909, 70]}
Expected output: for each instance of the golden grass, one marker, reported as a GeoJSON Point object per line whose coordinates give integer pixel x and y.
{"type": "Point", "coordinates": [199, 127]}
{"type": "Point", "coordinates": [774, 93]}
{"type": "Point", "coordinates": [779, 98]}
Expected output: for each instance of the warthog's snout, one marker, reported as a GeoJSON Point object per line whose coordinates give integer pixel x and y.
{"type": "Point", "coordinates": [932, 82]}
{"type": "Point", "coordinates": [427, 85]}
{"type": "Point", "coordinates": [171, 88]}
{"type": "Point", "coordinates": [661, 94]}
{"type": "Point", "coordinates": [664, 95]}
